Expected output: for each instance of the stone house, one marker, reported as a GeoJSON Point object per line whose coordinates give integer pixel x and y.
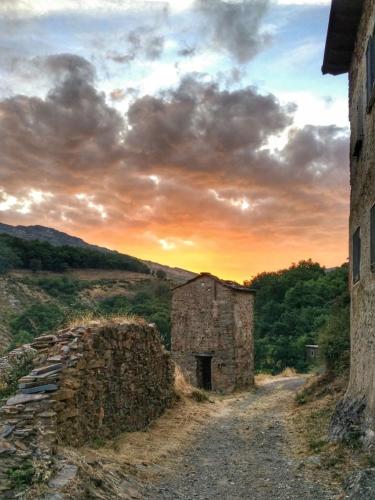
{"type": "Point", "coordinates": [350, 48]}
{"type": "Point", "coordinates": [212, 333]}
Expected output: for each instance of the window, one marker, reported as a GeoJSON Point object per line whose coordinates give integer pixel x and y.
{"type": "Point", "coordinates": [356, 255]}
{"type": "Point", "coordinates": [370, 72]}
{"type": "Point", "coordinates": [359, 127]}
{"type": "Point", "coordinates": [372, 238]}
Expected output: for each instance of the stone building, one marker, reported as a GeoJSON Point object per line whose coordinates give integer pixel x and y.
{"type": "Point", "coordinates": [212, 333]}
{"type": "Point", "coordinates": [350, 48]}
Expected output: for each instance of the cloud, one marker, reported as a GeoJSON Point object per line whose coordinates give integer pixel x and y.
{"type": "Point", "coordinates": [235, 27]}
{"type": "Point", "coordinates": [190, 165]}
{"type": "Point", "coordinates": [56, 138]}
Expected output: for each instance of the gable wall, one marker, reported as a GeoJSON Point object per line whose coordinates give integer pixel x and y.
{"type": "Point", "coordinates": [208, 317]}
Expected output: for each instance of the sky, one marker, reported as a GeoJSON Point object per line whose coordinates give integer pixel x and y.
{"type": "Point", "coordinates": [195, 133]}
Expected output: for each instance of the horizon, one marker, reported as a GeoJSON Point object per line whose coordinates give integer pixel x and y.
{"type": "Point", "coordinates": [198, 134]}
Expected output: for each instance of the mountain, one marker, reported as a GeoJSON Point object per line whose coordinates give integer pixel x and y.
{"type": "Point", "coordinates": [59, 238]}
{"type": "Point", "coordinates": [52, 236]}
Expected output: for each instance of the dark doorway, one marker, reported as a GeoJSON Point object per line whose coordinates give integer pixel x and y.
{"type": "Point", "coordinates": [204, 372]}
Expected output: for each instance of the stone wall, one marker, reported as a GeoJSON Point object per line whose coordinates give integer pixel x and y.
{"type": "Point", "coordinates": [356, 414]}
{"type": "Point", "coordinates": [88, 382]}
{"type": "Point", "coordinates": [210, 318]}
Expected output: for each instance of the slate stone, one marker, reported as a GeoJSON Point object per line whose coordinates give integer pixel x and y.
{"type": "Point", "coordinates": [64, 476]}
{"type": "Point", "coordinates": [47, 369]}
{"type": "Point", "coordinates": [25, 398]}
{"type": "Point", "coordinates": [40, 388]}
{"type": "Point", "coordinates": [7, 430]}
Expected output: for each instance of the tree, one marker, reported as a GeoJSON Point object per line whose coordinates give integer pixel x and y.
{"type": "Point", "coordinates": [8, 258]}
{"type": "Point", "coordinates": [291, 308]}
{"type": "Point", "coordinates": [161, 274]}
{"type": "Point", "coordinates": [35, 265]}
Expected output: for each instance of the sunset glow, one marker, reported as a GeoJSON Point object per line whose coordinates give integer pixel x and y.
{"type": "Point", "coordinates": [196, 134]}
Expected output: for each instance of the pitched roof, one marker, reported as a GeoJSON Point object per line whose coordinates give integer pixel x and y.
{"type": "Point", "coordinates": [343, 26]}
{"type": "Point", "coordinates": [229, 284]}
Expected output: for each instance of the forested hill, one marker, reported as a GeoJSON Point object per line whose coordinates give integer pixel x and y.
{"type": "Point", "coordinates": [59, 238]}
{"type": "Point", "coordinates": [305, 304]}
{"type": "Point", "coordinates": [42, 256]}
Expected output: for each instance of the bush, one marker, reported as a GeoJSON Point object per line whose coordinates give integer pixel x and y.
{"type": "Point", "coordinates": [334, 340]}
{"type": "Point", "coordinates": [22, 476]}
{"type": "Point", "coordinates": [35, 320]}
{"type": "Point", "coordinates": [61, 287]}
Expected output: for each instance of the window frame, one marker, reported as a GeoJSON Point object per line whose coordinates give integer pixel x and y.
{"type": "Point", "coordinates": [356, 256]}
{"type": "Point", "coordinates": [372, 238]}
{"type": "Point", "coordinates": [370, 72]}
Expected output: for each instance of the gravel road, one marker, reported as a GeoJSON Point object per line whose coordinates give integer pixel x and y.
{"type": "Point", "coordinates": [241, 453]}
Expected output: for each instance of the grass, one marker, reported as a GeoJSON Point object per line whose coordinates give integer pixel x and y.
{"type": "Point", "coordinates": [95, 319]}
{"type": "Point", "coordinates": [308, 425]}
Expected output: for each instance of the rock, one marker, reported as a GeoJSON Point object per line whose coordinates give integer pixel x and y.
{"type": "Point", "coordinates": [6, 430]}
{"type": "Point", "coordinates": [47, 414]}
{"type": "Point", "coordinates": [40, 388]}
{"type": "Point", "coordinates": [347, 421]}
{"type": "Point", "coordinates": [361, 485]}
{"type": "Point", "coordinates": [64, 476]}
{"type": "Point", "coordinates": [64, 394]}
{"type": "Point", "coordinates": [25, 398]}
{"type": "Point", "coordinates": [6, 448]}
{"type": "Point", "coordinates": [47, 369]}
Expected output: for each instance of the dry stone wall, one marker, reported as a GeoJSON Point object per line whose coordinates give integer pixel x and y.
{"type": "Point", "coordinates": [87, 382]}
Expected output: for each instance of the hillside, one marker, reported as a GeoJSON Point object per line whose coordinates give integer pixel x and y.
{"type": "Point", "coordinates": [49, 278]}
{"type": "Point", "coordinates": [59, 238]}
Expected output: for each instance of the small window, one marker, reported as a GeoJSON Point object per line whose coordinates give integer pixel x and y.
{"type": "Point", "coordinates": [359, 130]}
{"type": "Point", "coordinates": [372, 238]}
{"type": "Point", "coordinates": [356, 255]}
{"type": "Point", "coordinates": [370, 72]}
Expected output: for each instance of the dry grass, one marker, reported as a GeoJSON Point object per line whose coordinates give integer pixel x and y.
{"type": "Point", "coordinates": [91, 319]}
{"type": "Point", "coordinates": [288, 373]}
{"type": "Point", "coordinates": [308, 424]}
{"type": "Point", "coordinates": [264, 378]}
{"type": "Point", "coordinates": [142, 454]}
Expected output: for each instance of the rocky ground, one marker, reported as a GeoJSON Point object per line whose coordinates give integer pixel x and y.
{"type": "Point", "coordinates": [242, 452]}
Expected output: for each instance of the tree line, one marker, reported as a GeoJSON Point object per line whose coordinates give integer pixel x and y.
{"type": "Point", "coordinates": [38, 255]}
{"type": "Point", "coordinates": [304, 304]}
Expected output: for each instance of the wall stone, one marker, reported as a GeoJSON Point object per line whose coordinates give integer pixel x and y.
{"type": "Point", "coordinates": [88, 382]}
{"type": "Point", "coordinates": [356, 413]}
{"type": "Point", "coordinates": [209, 317]}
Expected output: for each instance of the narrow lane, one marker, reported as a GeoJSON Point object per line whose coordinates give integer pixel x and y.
{"type": "Point", "coordinates": [242, 453]}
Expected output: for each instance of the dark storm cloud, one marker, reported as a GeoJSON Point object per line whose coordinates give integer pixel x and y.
{"type": "Point", "coordinates": [198, 125]}
{"type": "Point", "coordinates": [235, 26]}
{"type": "Point", "coordinates": [56, 138]}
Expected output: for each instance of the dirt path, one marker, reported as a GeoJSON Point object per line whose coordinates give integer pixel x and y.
{"type": "Point", "coordinates": [241, 453]}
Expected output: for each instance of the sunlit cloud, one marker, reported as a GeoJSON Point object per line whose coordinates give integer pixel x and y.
{"type": "Point", "coordinates": [22, 204]}
{"type": "Point", "coordinates": [88, 200]}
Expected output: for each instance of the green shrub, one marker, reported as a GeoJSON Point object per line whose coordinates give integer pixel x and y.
{"type": "Point", "coordinates": [334, 340]}
{"type": "Point", "coordinates": [35, 320]}
{"type": "Point", "coordinates": [11, 382]}
{"type": "Point", "coordinates": [21, 476]}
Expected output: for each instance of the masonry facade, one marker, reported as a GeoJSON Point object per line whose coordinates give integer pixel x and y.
{"type": "Point", "coordinates": [212, 333]}
{"type": "Point", "coordinates": [351, 48]}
